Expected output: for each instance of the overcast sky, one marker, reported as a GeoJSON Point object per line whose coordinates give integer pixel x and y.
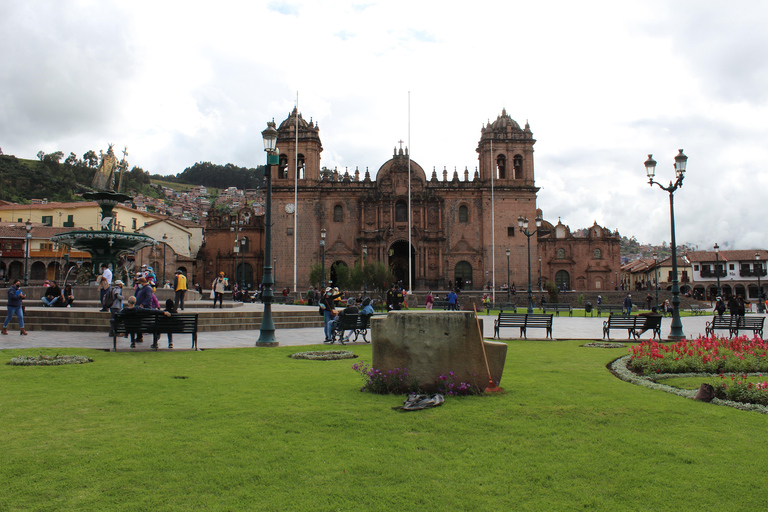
{"type": "Point", "coordinates": [602, 84]}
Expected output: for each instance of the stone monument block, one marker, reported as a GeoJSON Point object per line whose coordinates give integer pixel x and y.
{"type": "Point", "coordinates": [433, 343]}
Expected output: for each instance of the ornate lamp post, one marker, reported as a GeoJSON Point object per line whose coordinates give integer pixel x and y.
{"type": "Point", "coordinates": [759, 272]}
{"type": "Point", "coordinates": [267, 330]}
{"type": "Point", "coordinates": [717, 269]}
{"type": "Point", "coordinates": [522, 222]}
{"type": "Point", "coordinates": [243, 242]}
{"type": "Point", "coordinates": [509, 286]}
{"type": "Point", "coordinates": [681, 162]}
{"type": "Point", "coordinates": [322, 268]}
{"type": "Point", "coordinates": [540, 288]}
{"type": "Point", "coordinates": [656, 281]}
{"type": "Point", "coordinates": [365, 277]}
{"type": "Point", "coordinates": [165, 242]}
{"type": "Point", "coordinates": [28, 226]}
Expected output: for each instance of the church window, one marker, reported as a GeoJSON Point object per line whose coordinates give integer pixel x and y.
{"type": "Point", "coordinates": [517, 162]}
{"type": "Point", "coordinates": [401, 211]}
{"type": "Point", "coordinates": [501, 166]}
{"type": "Point", "coordinates": [301, 166]}
{"type": "Point", "coordinates": [463, 214]}
{"type": "Point", "coordinates": [598, 254]}
{"type": "Point", "coordinates": [561, 254]}
{"type": "Point", "coordinates": [282, 168]}
{"type": "Point", "coordinates": [338, 213]}
{"type": "Point", "coordinates": [511, 231]}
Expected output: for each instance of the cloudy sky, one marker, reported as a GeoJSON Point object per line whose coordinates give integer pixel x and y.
{"type": "Point", "coordinates": [602, 84]}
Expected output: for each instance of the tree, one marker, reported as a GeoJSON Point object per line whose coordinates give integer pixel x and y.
{"type": "Point", "coordinates": [342, 276]}
{"type": "Point", "coordinates": [53, 158]}
{"type": "Point", "coordinates": [71, 159]}
{"type": "Point", "coordinates": [315, 274]}
{"type": "Point", "coordinates": [41, 155]}
{"type": "Point", "coordinates": [91, 158]}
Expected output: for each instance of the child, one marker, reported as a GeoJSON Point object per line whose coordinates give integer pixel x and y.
{"type": "Point", "coordinates": [170, 308]}
{"type": "Point", "coordinates": [130, 308]}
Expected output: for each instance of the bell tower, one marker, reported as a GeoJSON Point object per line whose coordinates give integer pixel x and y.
{"type": "Point", "coordinates": [309, 149]}
{"type": "Point", "coordinates": [505, 151]}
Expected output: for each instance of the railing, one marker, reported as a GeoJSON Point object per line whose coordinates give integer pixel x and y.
{"type": "Point", "coordinates": [713, 273]}
{"type": "Point", "coordinates": [752, 273]}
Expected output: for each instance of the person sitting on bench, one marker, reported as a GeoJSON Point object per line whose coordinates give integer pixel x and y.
{"type": "Point", "coordinates": [649, 322]}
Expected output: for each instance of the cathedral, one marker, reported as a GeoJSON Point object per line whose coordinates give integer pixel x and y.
{"type": "Point", "coordinates": [463, 224]}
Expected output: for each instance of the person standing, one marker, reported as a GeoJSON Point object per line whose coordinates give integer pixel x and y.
{"type": "Point", "coordinates": [180, 286]}
{"type": "Point", "coordinates": [430, 300]}
{"type": "Point", "coordinates": [15, 307]}
{"type": "Point", "coordinates": [219, 285]}
{"type": "Point", "coordinates": [719, 307]}
{"type": "Point", "coordinates": [628, 304]}
{"type": "Point", "coordinates": [648, 300]}
{"type": "Point", "coordinates": [452, 298]}
{"type": "Point", "coordinates": [326, 304]}
{"type": "Point", "coordinates": [117, 303]}
{"type": "Point", "coordinates": [105, 281]}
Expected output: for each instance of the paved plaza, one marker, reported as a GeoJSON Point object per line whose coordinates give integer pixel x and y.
{"type": "Point", "coordinates": [564, 327]}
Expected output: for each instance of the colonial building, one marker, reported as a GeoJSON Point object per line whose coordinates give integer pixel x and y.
{"type": "Point", "coordinates": [455, 227]}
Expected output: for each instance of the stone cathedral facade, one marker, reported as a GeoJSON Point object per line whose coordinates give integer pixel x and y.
{"type": "Point", "coordinates": [456, 215]}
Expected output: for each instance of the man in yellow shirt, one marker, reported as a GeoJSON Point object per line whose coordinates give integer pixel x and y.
{"type": "Point", "coordinates": [180, 285]}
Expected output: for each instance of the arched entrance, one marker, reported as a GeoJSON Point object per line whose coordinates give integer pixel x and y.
{"type": "Point", "coordinates": [37, 271]}
{"type": "Point", "coordinates": [462, 275]}
{"type": "Point", "coordinates": [563, 280]}
{"type": "Point", "coordinates": [339, 274]}
{"type": "Point", "coordinates": [398, 262]}
{"type": "Point", "coordinates": [244, 275]}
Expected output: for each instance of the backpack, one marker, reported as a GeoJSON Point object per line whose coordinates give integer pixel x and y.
{"type": "Point", "coordinates": [109, 298]}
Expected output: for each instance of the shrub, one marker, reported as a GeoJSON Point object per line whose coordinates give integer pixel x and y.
{"type": "Point", "coordinates": [738, 389]}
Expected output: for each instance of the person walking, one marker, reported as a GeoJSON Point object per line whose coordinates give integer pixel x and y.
{"type": "Point", "coordinates": [180, 286]}
{"type": "Point", "coordinates": [628, 304]}
{"type": "Point", "coordinates": [104, 282]}
{"type": "Point", "coordinates": [117, 303]}
{"type": "Point", "coordinates": [15, 307]}
{"type": "Point", "coordinates": [430, 301]}
{"type": "Point", "coordinates": [219, 285]}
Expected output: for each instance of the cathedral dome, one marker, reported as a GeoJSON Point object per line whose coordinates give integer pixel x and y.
{"type": "Point", "coordinates": [290, 122]}
{"type": "Point", "coordinates": [503, 121]}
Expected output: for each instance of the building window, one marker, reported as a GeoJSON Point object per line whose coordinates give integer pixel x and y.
{"type": "Point", "coordinates": [289, 231]}
{"type": "Point", "coordinates": [401, 211]}
{"type": "Point", "coordinates": [696, 267]}
{"type": "Point", "coordinates": [463, 214]}
{"type": "Point", "coordinates": [730, 266]}
{"type": "Point", "coordinates": [48, 220]}
{"type": "Point", "coordinates": [70, 222]}
{"type": "Point", "coordinates": [517, 162]}
{"type": "Point", "coordinates": [46, 247]}
{"type": "Point", "coordinates": [338, 213]}
{"type": "Point", "coordinates": [511, 231]}
{"type": "Point", "coordinates": [561, 254]}
{"type": "Point", "coordinates": [598, 254]}
{"type": "Point", "coordinates": [501, 166]}
{"type": "Point", "coordinates": [133, 224]}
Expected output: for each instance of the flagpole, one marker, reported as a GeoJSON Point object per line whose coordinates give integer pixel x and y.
{"type": "Point", "coordinates": [296, 200]}
{"type": "Point", "coordinates": [493, 229]}
{"type": "Point", "coordinates": [410, 211]}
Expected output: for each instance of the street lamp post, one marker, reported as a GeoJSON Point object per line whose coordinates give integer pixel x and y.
{"type": "Point", "coordinates": [165, 242]}
{"type": "Point", "coordinates": [28, 226]}
{"type": "Point", "coordinates": [522, 222]}
{"type": "Point", "coordinates": [717, 269]}
{"type": "Point", "coordinates": [759, 272]}
{"type": "Point", "coordinates": [322, 268]}
{"type": "Point", "coordinates": [656, 280]}
{"type": "Point", "coordinates": [509, 286]}
{"type": "Point", "coordinates": [540, 288]}
{"type": "Point", "coordinates": [267, 330]}
{"type": "Point", "coordinates": [365, 277]}
{"type": "Point", "coordinates": [681, 162]}
{"type": "Point", "coordinates": [243, 242]}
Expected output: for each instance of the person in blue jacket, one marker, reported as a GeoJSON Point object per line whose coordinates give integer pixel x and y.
{"type": "Point", "coordinates": [15, 307]}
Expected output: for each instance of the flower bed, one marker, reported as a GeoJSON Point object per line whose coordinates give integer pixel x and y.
{"type": "Point", "coordinates": [42, 360]}
{"type": "Point", "coordinates": [603, 344]}
{"type": "Point", "coordinates": [325, 355]}
{"type": "Point", "coordinates": [712, 355]}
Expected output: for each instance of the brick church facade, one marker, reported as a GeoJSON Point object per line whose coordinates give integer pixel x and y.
{"type": "Point", "coordinates": [462, 222]}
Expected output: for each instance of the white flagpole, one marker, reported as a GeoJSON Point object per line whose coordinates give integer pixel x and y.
{"type": "Point", "coordinates": [296, 200]}
{"type": "Point", "coordinates": [410, 211]}
{"type": "Point", "coordinates": [493, 229]}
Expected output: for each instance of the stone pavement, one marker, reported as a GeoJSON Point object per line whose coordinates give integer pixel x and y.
{"type": "Point", "coordinates": [564, 327]}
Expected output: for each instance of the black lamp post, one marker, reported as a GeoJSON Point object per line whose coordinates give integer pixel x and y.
{"type": "Point", "coordinates": [322, 268]}
{"type": "Point", "coordinates": [717, 269]}
{"type": "Point", "coordinates": [522, 222]}
{"type": "Point", "coordinates": [759, 272]}
{"type": "Point", "coordinates": [267, 331]}
{"type": "Point", "coordinates": [165, 242]}
{"type": "Point", "coordinates": [509, 286]}
{"type": "Point", "coordinates": [540, 288]}
{"type": "Point", "coordinates": [365, 277]}
{"type": "Point", "coordinates": [681, 162]}
{"type": "Point", "coordinates": [656, 280]}
{"type": "Point", "coordinates": [243, 243]}
{"type": "Point", "coordinates": [28, 226]}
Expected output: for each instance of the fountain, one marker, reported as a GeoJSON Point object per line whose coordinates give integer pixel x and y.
{"type": "Point", "coordinates": [106, 245]}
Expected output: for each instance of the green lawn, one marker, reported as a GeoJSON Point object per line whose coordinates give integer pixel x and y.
{"type": "Point", "coordinates": [251, 429]}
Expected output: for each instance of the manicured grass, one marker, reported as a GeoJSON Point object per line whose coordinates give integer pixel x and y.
{"type": "Point", "coordinates": [251, 429]}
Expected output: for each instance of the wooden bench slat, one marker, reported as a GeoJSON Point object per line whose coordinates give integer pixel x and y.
{"type": "Point", "coordinates": [154, 322]}
{"type": "Point", "coordinates": [523, 321]}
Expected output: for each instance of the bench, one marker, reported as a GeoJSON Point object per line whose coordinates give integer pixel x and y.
{"type": "Point", "coordinates": [154, 324]}
{"type": "Point", "coordinates": [633, 324]}
{"type": "Point", "coordinates": [355, 323]}
{"type": "Point", "coordinates": [734, 324]}
{"type": "Point", "coordinates": [557, 308]}
{"type": "Point", "coordinates": [696, 309]}
{"type": "Point", "coordinates": [501, 306]}
{"type": "Point", "coordinates": [523, 321]}
{"type": "Point", "coordinates": [610, 308]}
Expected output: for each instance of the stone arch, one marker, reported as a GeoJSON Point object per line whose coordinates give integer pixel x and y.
{"type": "Point", "coordinates": [462, 275]}
{"type": "Point", "coordinates": [563, 280]}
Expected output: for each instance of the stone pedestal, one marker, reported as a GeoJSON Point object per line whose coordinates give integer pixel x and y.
{"type": "Point", "coordinates": [430, 344]}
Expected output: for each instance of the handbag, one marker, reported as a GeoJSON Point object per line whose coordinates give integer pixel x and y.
{"type": "Point", "coordinates": [213, 293]}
